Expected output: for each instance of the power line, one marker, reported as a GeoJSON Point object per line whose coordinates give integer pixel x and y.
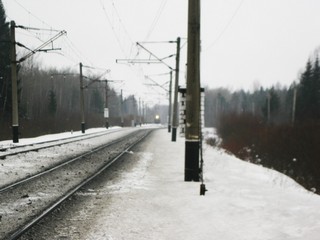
{"type": "Point", "coordinates": [76, 50]}
{"type": "Point", "coordinates": [136, 70]}
{"type": "Point", "coordinates": [226, 26]}
{"type": "Point", "coordinates": [112, 27]}
{"type": "Point", "coordinates": [121, 22]}
{"type": "Point", "coordinates": [30, 13]}
{"type": "Point", "coordinates": [156, 19]}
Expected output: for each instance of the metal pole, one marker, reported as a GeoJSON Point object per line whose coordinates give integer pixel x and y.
{"type": "Point", "coordinates": [144, 111]}
{"type": "Point", "coordinates": [15, 114]}
{"type": "Point", "coordinates": [268, 107]}
{"type": "Point", "coordinates": [82, 101]}
{"type": "Point", "coordinates": [140, 112]}
{"type": "Point", "coordinates": [175, 101]}
{"type": "Point", "coordinates": [294, 105]}
{"type": "Point", "coordinates": [170, 103]}
{"type": "Point", "coordinates": [193, 94]}
{"type": "Point", "coordinates": [121, 109]}
{"type": "Point", "coordinates": [106, 110]}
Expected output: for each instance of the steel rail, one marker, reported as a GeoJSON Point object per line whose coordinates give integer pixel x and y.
{"type": "Point", "coordinates": [58, 143]}
{"type": "Point", "coordinates": [51, 208]}
{"type": "Point", "coordinates": [65, 162]}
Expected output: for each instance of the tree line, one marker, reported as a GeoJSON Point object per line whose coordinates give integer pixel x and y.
{"type": "Point", "coordinates": [49, 99]}
{"type": "Point", "coordinates": [49, 102]}
{"type": "Point", "coordinates": [5, 87]}
{"type": "Point", "coordinates": [299, 102]}
{"type": "Point", "coordinates": [278, 127]}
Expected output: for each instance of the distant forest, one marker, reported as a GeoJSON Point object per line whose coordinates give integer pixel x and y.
{"type": "Point", "coordinates": [49, 102]}
{"type": "Point", "coordinates": [277, 105]}
{"type": "Point", "coordinates": [277, 127]}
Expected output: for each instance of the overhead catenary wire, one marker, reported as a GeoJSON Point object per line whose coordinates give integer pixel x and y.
{"type": "Point", "coordinates": [156, 19]}
{"type": "Point", "coordinates": [31, 33]}
{"type": "Point", "coordinates": [121, 22]}
{"type": "Point", "coordinates": [226, 26]}
{"type": "Point", "coordinates": [133, 50]}
{"type": "Point", "coordinates": [81, 57]}
{"type": "Point", "coordinates": [113, 29]}
{"type": "Point", "coordinates": [31, 14]}
{"type": "Point", "coordinates": [43, 45]}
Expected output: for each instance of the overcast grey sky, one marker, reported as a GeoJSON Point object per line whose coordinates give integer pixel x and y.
{"type": "Point", "coordinates": [244, 42]}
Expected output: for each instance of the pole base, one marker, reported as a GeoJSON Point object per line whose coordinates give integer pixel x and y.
{"type": "Point", "coordinates": [192, 170]}
{"type": "Point", "coordinates": [174, 134]}
{"type": "Point", "coordinates": [169, 128]}
{"type": "Point", "coordinates": [83, 127]}
{"type": "Point", "coordinates": [107, 125]}
{"type": "Point", "coordinates": [202, 189]}
{"type": "Point", "coordinates": [15, 134]}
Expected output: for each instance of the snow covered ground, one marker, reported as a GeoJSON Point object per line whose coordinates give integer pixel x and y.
{"type": "Point", "coordinates": [49, 137]}
{"type": "Point", "coordinates": [244, 201]}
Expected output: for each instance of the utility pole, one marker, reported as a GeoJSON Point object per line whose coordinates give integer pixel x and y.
{"type": "Point", "coordinates": [106, 108]}
{"type": "Point", "coordinates": [82, 101]}
{"type": "Point", "coordinates": [15, 113]}
{"type": "Point", "coordinates": [175, 101]}
{"type": "Point", "coordinates": [140, 112]}
{"type": "Point", "coordinates": [14, 81]}
{"type": "Point", "coordinates": [170, 103]}
{"type": "Point", "coordinates": [144, 105]}
{"type": "Point", "coordinates": [121, 109]}
{"type": "Point", "coordinates": [193, 128]}
{"type": "Point", "coordinates": [294, 106]}
{"type": "Point", "coordinates": [268, 107]}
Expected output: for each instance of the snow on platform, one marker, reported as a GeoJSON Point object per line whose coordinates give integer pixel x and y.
{"type": "Point", "coordinates": [244, 201]}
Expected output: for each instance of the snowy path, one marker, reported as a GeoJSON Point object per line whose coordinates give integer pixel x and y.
{"type": "Point", "coordinates": [244, 201]}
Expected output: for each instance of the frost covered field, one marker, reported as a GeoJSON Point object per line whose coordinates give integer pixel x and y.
{"type": "Point", "coordinates": [244, 201]}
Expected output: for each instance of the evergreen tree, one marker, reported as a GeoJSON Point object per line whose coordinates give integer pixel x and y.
{"type": "Point", "coordinates": [316, 89]}
{"type": "Point", "coordinates": [5, 90]}
{"type": "Point", "coordinates": [308, 99]}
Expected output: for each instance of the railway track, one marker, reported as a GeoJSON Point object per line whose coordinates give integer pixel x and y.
{"type": "Point", "coordinates": [25, 202]}
{"type": "Point", "coordinates": [24, 148]}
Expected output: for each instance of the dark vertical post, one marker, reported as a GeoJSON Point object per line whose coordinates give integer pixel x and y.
{"type": "Point", "coordinates": [140, 112]}
{"type": "Point", "coordinates": [106, 108]}
{"type": "Point", "coordinates": [82, 101]}
{"type": "Point", "coordinates": [15, 114]}
{"type": "Point", "coordinates": [193, 94]}
{"type": "Point", "coordinates": [294, 106]}
{"type": "Point", "coordinates": [175, 101]}
{"type": "Point", "coordinates": [144, 112]}
{"type": "Point", "coordinates": [121, 109]}
{"type": "Point", "coordinates": [170, 103]}
{"type": "Point", "coordinates": [268, 107]}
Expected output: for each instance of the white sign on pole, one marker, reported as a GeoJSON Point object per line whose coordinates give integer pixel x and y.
{"type": "Point", "coordinates": [106, 112]}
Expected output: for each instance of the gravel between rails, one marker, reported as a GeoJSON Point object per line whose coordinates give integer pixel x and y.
{"type": "Point", "coordinates": [21, 204]}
